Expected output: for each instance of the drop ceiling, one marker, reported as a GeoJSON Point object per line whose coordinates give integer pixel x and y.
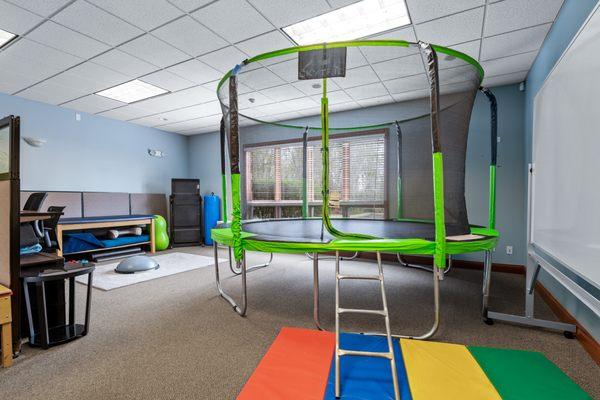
{"type": "Point", "coordinates": [67, 50]}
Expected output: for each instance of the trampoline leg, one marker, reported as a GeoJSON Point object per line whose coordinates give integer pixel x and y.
{"type": "Point", "coordinates": [487, 276]}
{"type": "Point", "coordinates": [316, 318]}
{"type": "Point", "coordinates": [237, 271]}
{"type": "Point", "coordinates": [438, 275]}
{"type": "Point", "coordinates": [242, 266]}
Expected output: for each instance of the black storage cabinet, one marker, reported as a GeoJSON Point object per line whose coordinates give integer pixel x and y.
{"type": "Point", "coordinates": [186, 212]}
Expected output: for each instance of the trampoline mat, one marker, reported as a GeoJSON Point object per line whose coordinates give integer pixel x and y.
{"type": "Point", "coordinates": [310, 230]}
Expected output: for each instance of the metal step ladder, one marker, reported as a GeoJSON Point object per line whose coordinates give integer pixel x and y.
{"type": "Point", "coordinates": [384, 313]}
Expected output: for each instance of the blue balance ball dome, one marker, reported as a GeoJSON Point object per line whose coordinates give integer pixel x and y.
{"type": "Point", "coordinates": [135, 264]}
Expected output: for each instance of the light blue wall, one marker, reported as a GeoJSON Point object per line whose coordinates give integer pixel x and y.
{"type": "Point", "coordinates": [94, 154]}
{"type": "Point", "coordinates": [205, 164]}
{"type": "Point", "coordinates": [572, 15]}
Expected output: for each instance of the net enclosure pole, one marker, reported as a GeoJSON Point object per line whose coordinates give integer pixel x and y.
{"type": "Point", "coordinates": [234, 157]}
{"type": "Point", "coordinates": [494, 154]}
{"type": "Point", "coordinates": [305, 174]}
{"type": "Point", "coordinates": [431, 61]}
{"type": "Point", "coordinates": [399, 178]}
{"type": "Point", "coordinates": [223, 174]}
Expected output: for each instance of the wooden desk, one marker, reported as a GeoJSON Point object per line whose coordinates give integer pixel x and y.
{"type": "Point", "coordinates": [6, 326]}
{"type": "Point", "coordinates": [78, 224]}
{"type": "Point", "coordinates": [30, 216]}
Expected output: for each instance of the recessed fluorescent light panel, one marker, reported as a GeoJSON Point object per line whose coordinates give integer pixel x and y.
{"type": "Point", "coordinates": [132, 91]}
{"type": "Point", "coordinates": [365, 18]}
{"type": "Point", "coordinates": [6, 37]}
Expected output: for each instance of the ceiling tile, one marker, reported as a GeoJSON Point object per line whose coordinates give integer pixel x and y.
{"type": "Point", "coordinates": [184, 98]}
{"type": "Point", "coordinates": [150, 120]}
{"type": "Point", "coordinates": [34, 58]}
{"type": "Point", "coordinates": [376, 101]}
{"type": "Point", "coordinates": [274, 40]}
{"type": "Point", "coordinates": [507, 79]}
{"type": "Point", "coordinates": [52, 93]}
{"type": "Point", "coordinates": [410, 83]}
{"type": "Point", "coordinates": [40, 7]}
{"type": "Point", "coordinates": [367, 91]}
{"type": "Point", "coordinates": [124, 63]}
{"type": "Point", "coordinates": [287, 70]}
{"type": "Point", "coordinates": [399, 67]}
{"type": "Point", "coordinates": [270, 109]}
{"type": "Point", "coordinates": [11, 81]}
{"type": "Point", "coordinates": [411, 95]}
{"type": "Point", "coordinates": [357, 77]}
{"type": "Point", "coordinates": [90, 77]}
{"type": "Point", "coordinates": [67, 40]}
{"type": "Point", "coordinates": [501, 66]}
{"type": "Point", "coordinates": [421, 11]}
{"type": "Point", "coordinates": [234, 20]}
{"type": "Point", "coordinates": [92, 21]}
{"type": "Point", "coordinates": [225, 59]}
{"type": "Point", "coordinates": [282, 93]}
{"type": "Point", "coordinates": [454, 29]}
{"type": "Point", "coordinates": [260, 79]}
{"type": "Point", "coordinates": [154, 51]}
{"type": "Point", "coordinates": [190, 36]}
{"type": "Point", "coordinates": [336, 97]}
{"type": "Point", "coordinates": [16, 20]}
{"type": "Point", "coordinates": [510, 15]}
{"type": "Point", "coordinates": [197, 111]}
{"type": "Point", "coordinates": [287, 12]}
{"type": "Point", "coordinates": [253, 99]}
{"type": "Point", "coordinates": [93, 104]}
{"type": "Point", "coordinates": [351, 105]}
{"type": "Point", "coordinates": [515, 42]}
{"type": "Point", "coordinates": [299, 104]}
{"type": "Point", "coordinates": [355, 58]}
{"type": "Point", "coordinates": [469, 48]}
{"type": "Point", "coordinates": [167, 80]}
{"type": "Point", "coordinates": [145, 14]}
{"type": "Point", "coordinates": [376, 54]}
{"type": "Point", "coordinates": [341, 3]}
{"type": "Point", "coordinates": [313, 86]}
{"type": "Point", "coordinates": [195, 71]}
{"type": "Point", "coordinates": [192, 124]}
{"type": "Point", "coordinates": [190, 5]}
{"type": "Point", "coordinates": [125, 113]}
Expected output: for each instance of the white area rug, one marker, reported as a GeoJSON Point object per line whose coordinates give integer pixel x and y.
{"type": "Point", "coordinates": [105, 277]}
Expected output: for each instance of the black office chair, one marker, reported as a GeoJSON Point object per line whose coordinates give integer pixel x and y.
{"type": "Point", "coordinates": [50, 240]}
{"type": "Point", "coordinates": [34, 203]}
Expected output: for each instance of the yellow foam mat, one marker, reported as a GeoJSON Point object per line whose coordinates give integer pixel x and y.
{"type": "Point", "coordinates": [444, 371]}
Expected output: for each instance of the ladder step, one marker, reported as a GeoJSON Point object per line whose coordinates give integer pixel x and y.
{"type": "Point", "coordinates": [361, 311]}
{"type": "Point", "coordinates": [358, 277]}
{"type": "Point", "coordinates": [387, 355]}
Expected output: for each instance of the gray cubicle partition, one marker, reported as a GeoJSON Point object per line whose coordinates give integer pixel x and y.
{"type": "Point", "coordinates": [93, 204]}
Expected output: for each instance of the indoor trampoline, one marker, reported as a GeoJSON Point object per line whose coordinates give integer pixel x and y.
{"type": "Point", "coordinates": [423, 212]}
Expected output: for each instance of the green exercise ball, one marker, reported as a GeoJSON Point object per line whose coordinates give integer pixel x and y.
{"type": "Point", "coordinates": [161, 239]}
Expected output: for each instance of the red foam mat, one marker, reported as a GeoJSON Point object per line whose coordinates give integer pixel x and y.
{"type": "Point", "coordinates": [296, 366]}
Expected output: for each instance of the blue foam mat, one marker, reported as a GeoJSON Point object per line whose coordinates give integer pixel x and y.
{"type": "Point", "coordinates": [367, 378]}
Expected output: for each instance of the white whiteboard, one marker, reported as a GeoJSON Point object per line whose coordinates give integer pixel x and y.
{"type": "Point", "coordinates": [565, 211]}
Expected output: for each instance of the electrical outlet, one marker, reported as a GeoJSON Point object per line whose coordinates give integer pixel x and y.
{"type": "Point", "coordinates": [509, 250]}
{"type": "Point", "coordinates": [77, 117]}
{"type": "Point", "coordinates": [498, 139]}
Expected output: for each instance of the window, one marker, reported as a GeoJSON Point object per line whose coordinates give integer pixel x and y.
{"type": "Point", "coordinates": [356, 182]}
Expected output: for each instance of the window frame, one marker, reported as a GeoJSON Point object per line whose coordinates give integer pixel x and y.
{"type": "Point", "coordinates": [345, 205]}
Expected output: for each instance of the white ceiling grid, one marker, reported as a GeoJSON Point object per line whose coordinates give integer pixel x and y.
{"type": "Point", "coordinates": [70, 49]}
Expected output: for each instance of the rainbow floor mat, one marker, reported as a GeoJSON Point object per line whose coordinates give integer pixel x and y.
{"type": "Point", "coordinates": [299, 365]}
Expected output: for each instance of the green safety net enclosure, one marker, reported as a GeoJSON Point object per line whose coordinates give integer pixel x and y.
{"type": "Point", "coordinates": [413, 202]}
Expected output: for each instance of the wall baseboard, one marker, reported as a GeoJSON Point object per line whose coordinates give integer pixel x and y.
{"type": "Point", "coordinates": [586, 340]}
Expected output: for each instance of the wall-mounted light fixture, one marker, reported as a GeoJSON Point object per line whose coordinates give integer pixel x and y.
{"type": "Point", "coordinates": [156, 153]}
{"type": "Point", "coordinates": [34, 142]}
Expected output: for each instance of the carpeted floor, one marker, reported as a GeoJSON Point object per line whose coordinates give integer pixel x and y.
{"type": "Point", "coordinates": [174, 338]}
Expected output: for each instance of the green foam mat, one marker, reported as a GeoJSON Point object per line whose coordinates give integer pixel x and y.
{"type": "Point", "coordinates": [525, 375]}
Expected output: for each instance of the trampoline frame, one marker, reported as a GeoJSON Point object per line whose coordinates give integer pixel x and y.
{"type": "Point", "coordinates": [441, 247]}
